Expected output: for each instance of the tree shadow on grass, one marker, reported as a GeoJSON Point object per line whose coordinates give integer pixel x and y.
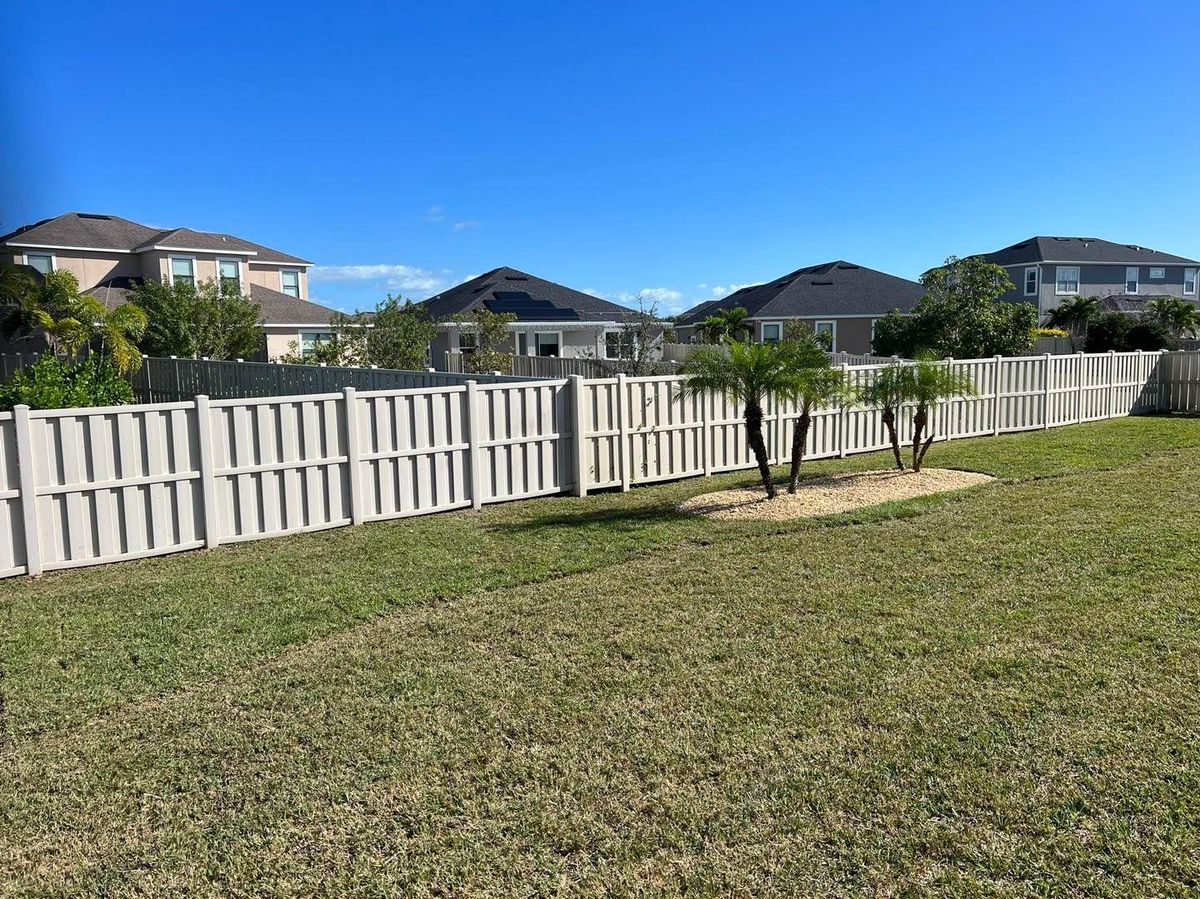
{"type": "Point", "coordinates": [609, 519]}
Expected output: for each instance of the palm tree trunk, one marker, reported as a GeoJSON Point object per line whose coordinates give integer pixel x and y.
{"type": "Point", "coordinates": [889, 422]}
{"type": "Point", "coordinates": [799, 441]}
{"type": "Point", "coordinates": [754, 437]}
{"type": "Point", "coordinates": [919, 449]}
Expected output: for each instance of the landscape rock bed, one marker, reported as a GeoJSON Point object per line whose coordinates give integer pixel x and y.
{"type": "Point", "coordinates": [830, 495]}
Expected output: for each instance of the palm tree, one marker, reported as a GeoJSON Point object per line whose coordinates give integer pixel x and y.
{"type": "Point", "coordinates": [1074, 314]}
{"type": "Point", "coordinates": [726, 324]}
{"type": "Point", "coordinates": [922, 383]}
{"type": "Point", "coordinates": [815, 383]}
{"type": "Point", "coordinates": [747, 374]}
{"type": "Point", "coordinates": [1177, 315]}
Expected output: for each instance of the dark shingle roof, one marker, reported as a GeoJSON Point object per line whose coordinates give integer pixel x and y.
{"type": "Point", "coordinates": [111, 232]}
{"type": "Point", "coordinates": [832, 289]}
{"type": "Point", "coordinates": [543, 300]}
{"type": "Point", "coordinates": [1081, 249]}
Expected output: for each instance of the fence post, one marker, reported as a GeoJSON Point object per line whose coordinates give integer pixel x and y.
{"type": "Point", "coordinates": [706, 435]}
{"type": "Point", "coordinates": [1078, 388]}
{"type": "Point", "coordinates": [473, 447]}
{"type": "Point", "coordinates": [844, 416]}
{"type": "Point", "coordinates": [353, 454]}
{"type": "Point", "coordinates": [1112, 381]}
{"type": "Point", "coordinates": [998, 362]}
{"type": "Point", "coordinates": [781, 447]}
{"type": "Point", "coordinates": [208, 480]}
{"type": "Point", "coordinates": [623, 410]}
{"type": "Point", "coordinates": [1046, 394]}
{"type": "Point", "coordinates": [578, 433]}
{"type": "Point", "coordinates": [28, 486]}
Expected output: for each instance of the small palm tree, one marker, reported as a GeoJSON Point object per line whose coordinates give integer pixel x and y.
{"type": "Point", "coordinates": [815, 383]}
{"type": "Point", "coordinates": [1074, 314]}
{"type": "Point", "coordinates": [726, 324]}
{"type": "Point", "coordinates": [1177, 315]}
{"type": "Point", "coordinates": [747, 374]}
{"type": "Point", "coordinates": [923, 384]}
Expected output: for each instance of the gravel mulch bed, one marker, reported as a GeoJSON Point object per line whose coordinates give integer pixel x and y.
{"type": "Point", "coordinates": [830, 495]}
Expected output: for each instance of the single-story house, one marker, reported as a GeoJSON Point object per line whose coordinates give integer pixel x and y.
{"type": "Point", "coordinates": [840, 298]}
{"type": "Point", "coordinates": [551, 320]}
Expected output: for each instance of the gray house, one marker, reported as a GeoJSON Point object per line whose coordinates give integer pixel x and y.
{"type": "Point", "coordinates": [839, 298]}
{"type": "Point", "coordinates": [1123, 276]}
{"type": "Point", "coordinates": [551, 320]}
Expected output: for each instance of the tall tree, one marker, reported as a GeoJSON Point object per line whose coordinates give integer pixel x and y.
{"type": "Point", "coordinates": [397, 334]}
{"type": "Point", "coordinates": [960, 315]}
{"type": "Point", "coordinates": [747, 374]}
{"type": "Point", "coordinates": [212, 319]}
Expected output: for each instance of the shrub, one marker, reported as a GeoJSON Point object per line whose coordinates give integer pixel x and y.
{"type": "Point", "coordinates": [1123, 333]}
{"type": "Point", "coordinates": [56, 383]}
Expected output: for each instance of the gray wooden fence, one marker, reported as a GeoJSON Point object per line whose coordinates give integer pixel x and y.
{"type": "Point", "coordinates": [90, 486]}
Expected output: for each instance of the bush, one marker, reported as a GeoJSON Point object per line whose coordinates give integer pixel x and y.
{"type": "Point", "coordinates": [56, 383]}
{"type": "Point", "coordinates": [1123, 333]}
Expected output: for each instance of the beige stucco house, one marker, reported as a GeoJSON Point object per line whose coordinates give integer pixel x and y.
{"type": "Point", "coordinates": [107, 254]}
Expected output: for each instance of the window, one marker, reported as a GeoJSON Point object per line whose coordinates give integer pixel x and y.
{"type": "Point", "coordinates": [289, 280]}
{"type": "Point", "coordinates": [1157, 273]}
{"type": "Point", "coordinates": [546, 344]}
{"type": "Point", "coordinates": [1131, 279]}
{"type": "Point", "coordinates": [522, 343]}
{"type": "Point", "coordinates": [229, 272]}
{"type": "Point", "coordinates": [618, 345]}
{"type": "Point", "coordinates": [42, 262]}
{"type": "Point", "coordinates": [772, 332]}
{"type": "Point", "coordinates": [468, 341]}
{"type": "Point", "coordinates": [827, 328]}
{"type": "Point", "coordinates": [1031, 281]}
{"type": "Point", "coordinates": [1066, 279]}
{"type": "Point", "coordinates": [1189, 280]}
{"type": "Point", "coordinates": [874, 322]}
{"type": "Point", "coordinates": [183, 270]}
{"type": "Point", "coordinates": [310, 340]}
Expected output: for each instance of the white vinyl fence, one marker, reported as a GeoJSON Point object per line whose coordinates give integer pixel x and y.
{"type": "Point", "coordinates": [89, 486]}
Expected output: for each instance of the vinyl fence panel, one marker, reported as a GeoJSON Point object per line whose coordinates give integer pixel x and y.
{"type": "Point", "coordinates": [89, 486]}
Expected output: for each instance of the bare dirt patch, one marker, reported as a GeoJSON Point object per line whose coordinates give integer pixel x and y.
{"type": "Point", "coordinates": [830, 495]}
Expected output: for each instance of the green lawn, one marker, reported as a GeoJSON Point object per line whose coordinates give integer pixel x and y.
{"type": "Point", "coordinates": [991, 692]}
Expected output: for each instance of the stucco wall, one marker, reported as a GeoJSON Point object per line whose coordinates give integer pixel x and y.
{"type": "Point", "coordinates": [1096, 281]}
{"type": "Point", "coordinates": [268, 276]}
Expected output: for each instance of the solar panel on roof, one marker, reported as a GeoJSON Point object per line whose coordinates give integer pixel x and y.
{"type": "Point", "coordinates": [527, 308]}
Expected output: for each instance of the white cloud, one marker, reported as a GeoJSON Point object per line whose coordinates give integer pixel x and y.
{"type": "Point", "coordinates": [720, 290]}
{"type": "Point", "coordinates": [435, 214]}
{"type": "Point", "coordinates": [463, 226]}
{"type": "Point", "coordinates": [395, 276]}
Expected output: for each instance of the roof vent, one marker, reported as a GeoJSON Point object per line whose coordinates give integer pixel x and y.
{"type": "Point", "coordinates": [847, 266]}
{"type": "Point", "coordinates": [1134, 246]}
{"type": "Point", "coordinates": [822, 283]}
{"type": "Point", "coordinates": [92, 215]}
{"type": "Point", "coordinates": [515, 278]}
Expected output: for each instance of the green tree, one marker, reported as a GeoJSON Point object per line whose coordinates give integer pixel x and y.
{"type": "Point", "coordinates": [960, 315]}
{"type": "Point", "coordinates": [815, 383]}
{"type": "Point", "coordinates": [212, 319]}
{"type": "Point", "coordinates": [923, 384]}
{"type": "Point", "coordinates": [396, 335]}
{"type": "Point", "coordinates": [492, 338]}
{"type": "Point", "coordinates": [747, 374]}
{"type": "Point", "coordinates": [1074, 314]}
{"type": "Point", "coordinates": [726, 324]}
{"type": "Point", "coordinates": [1176, 315]}
{"type": "Point", "coordinates": [334, 351]}
{"type": "Point", "coordinates": [1122, 332]}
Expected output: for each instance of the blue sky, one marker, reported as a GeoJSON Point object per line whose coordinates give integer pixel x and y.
{"type": "Point", "coordinates": [622, 148]}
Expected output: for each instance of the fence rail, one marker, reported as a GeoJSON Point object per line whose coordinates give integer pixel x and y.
{"type": "Point", "coordinates": [555, 367]}
{"type": "Point", "coordinates": [90, 486]}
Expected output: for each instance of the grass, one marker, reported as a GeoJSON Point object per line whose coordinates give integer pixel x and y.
{"type": "Point", "coordinates": [991, 692]}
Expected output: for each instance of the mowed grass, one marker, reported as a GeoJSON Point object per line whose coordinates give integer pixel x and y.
{"type": "Point", "coordinates": [992, 692]}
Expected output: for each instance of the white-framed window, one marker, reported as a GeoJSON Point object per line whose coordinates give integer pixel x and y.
{"type": "Point", "coordinates": [1131, 279]}
{"type": "Point", "coordinates": [1157, 273]}
{"type": "Point", "coordinates": [829, 328]}
{"type": "Point", "coordinates": [229, 272]}
{"type": "Point", "coordinates": [547, 343]}
{"type": "Point", "coordinates": [619, 345]}
{"type": "Point", "coordinates": [289, 282]}
{"type": "Point", "coordinates": [1031, 281]}
{"type": "Point", "coordinates": [772, 332]}
{"type": "Point", "coordinates": [42, 262]}
{"type": "Point", "coordinates": [1066, 280]}
{"type": "Point", "coordinates": [310, 340]}
{"type": "Point", "coordinates": [183, 270]}
{"type": "Point", "coordinates": [468, 341]}
{"type": "Point", "coordinates": [1189, 281]}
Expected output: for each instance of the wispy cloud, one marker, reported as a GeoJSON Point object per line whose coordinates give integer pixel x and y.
{"type": "Point", "coordinates": [435, 214]}
{"type": "Point", "coordinates": [394, 276]}
{"type": "Point", "coordinates": [720, 291]}
{"type": "Point", "coordinates": [463, 226]}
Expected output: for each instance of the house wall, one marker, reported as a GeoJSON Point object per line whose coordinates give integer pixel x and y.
{"type": "Point", "coordinates": [1096, 280]}
{"type": "Point", "coordinates": [268, 276]}
{"type": "Point", "coordinates": [89, 268]}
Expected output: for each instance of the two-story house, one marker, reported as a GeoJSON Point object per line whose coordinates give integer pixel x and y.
{"type": "Point", "coordinates": [107, 254]}
{"type": "Point", "coordinates": [839, 299]}
{"type": "Point", "coordinates": [1122, 276]}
